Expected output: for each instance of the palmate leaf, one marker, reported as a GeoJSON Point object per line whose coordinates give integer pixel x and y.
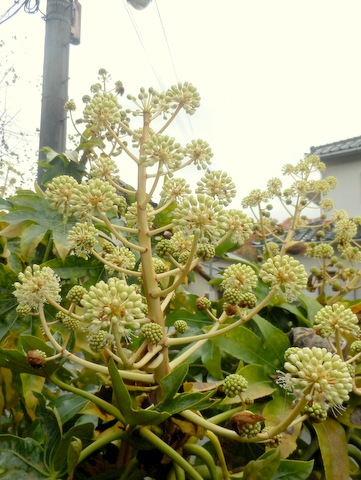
{"type": "Point", "coordinates": [34, 212]}
{"type": "Point", "coordinates": [243, 344]}
{"type": "Point", "coordinates": [333, 445]}
{"type": "Point", "coordinates": [21, 458]}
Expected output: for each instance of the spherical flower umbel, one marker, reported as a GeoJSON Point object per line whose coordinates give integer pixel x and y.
{"type": "Point", "coordinates": [184, 95]}
{"type": "Point", "coordinates": [345, 230]}
{"type": "Point", "coordinates": [181, 243]}
{"type": "Point", "coordinates": [234, 384]}
{"type": "Point", "coordinates": [202, 214]}
{"type": "Point", "coordinates": [120, 257]}
{"type": "Point", "coordinates": [102, 111]}
{"type": "Point", "coordinates": [35, 285]}
{"type": "Point", "coordinates": [239, 224]}
{"type": "Point", "coordinates": [114, 301]}
{"type": "Point", "coordinates": [336, 318]}
{"type": "Point", "coordinates": [320, 375]}
{"type": "Point", "coordinates": [59, 192]}
{"type": "Point", "coordinates": [217, 184]}
{"type": "Point", "coordinates": [285, 274]}
{"type": "Point", "coordinates": [94, 196]}
{"type": "Point", "coordinates": [199, 153]}
{"type": "Point", "coordinates": [104, 168]}
{"type": "Point", "coordinates": [239, 277]}
{"type": "Point", "coordinates": [82, 238]}
{"type": "Point", "coordinates": [152, 332]}
{"type": "Point", "coordinates": [163, 150]}
{"type": "Point", "coordinates": [174, 189]}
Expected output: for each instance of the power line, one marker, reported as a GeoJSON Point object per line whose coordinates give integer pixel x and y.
{"type": "Point", "coordinates": [135, 26]}
{"type": "Point", "coordinates": [166, 41]}
{"type": "Point", "coordinates": [29, 6]}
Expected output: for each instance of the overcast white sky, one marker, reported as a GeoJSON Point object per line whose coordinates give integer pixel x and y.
{"type": "Point", "coordinates": [275, 77]}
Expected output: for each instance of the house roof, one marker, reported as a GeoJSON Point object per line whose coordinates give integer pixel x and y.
{"type": "Point", "coordinates": [342, 147]}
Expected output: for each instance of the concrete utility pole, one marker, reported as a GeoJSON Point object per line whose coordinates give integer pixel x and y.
{"type": "Point", "coordinates": [55, 77]}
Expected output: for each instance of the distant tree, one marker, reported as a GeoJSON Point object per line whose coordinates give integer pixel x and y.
{"type": "Point", "coordinates": [12, 138]}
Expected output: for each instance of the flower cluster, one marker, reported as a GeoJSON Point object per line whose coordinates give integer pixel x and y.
{"type": "Point", "coordinates": [59, 192]}
{"type": "Point", "coordinates": [202, 214]}
{"type": "Point", "coordinates": [112, 302]}
{"type": "Point", "coordinates": [239, 277]}
{"type": "Point", "coordinates": [285, 274]}
{"type": "Point", "coordinates": [184, 95]}
{"type": "Point", "coordinates": [321, 250]}
{"type": "Point", "coordinates": [82, 238]}
{"type": "Point", "coordinates": [163, 150]}
{"type": "Point", "coordinates": [102, 111]}
{"type": "Point", "coordinates": [36, 285]}
{"type": "Point", "coordinates": [218, 185]}
{"type": "Point", "coordinates": [104, 168]}
{"type": "Point", "coordinates": [336, 318]}
{"type": "Point", "coordinates": [317, 373]}
{"type": "Point", "coordinates": [239, 224]}
{"type": "Point", "coordinates": [174, 189]}
{"type": "Point", "coordinates": [345, 230]}
{"type": "Point", "coordinates": [255, 198]}
{"type": "Point", "coordinates": [199, 153]}
{"type": "Point", "coordinates": [120, 257]}
{"type": "Point", "coordinates": [92, 196]}
{"type": "Point", "coordinates": [181, 243]}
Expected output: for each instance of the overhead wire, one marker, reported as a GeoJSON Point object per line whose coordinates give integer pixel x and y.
{"type": "Point", "coordinates": [140, 38]}
{"type": "Point", "coordinates": [173, 65]}
{"type": "Point", "coordinates": [26, 5]}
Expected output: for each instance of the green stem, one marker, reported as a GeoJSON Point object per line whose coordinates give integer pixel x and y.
{"type": "Point", "coordinates": [204, 455]}
{"type": "Point", "coordinates": [168, 450]}
{"type": "Point", "coordinates": [107, 407]}
{"type": "Point", "coordinates": [131, 467]}
{"type": "Point", "coordinates": [179, 472]}
{"type": "Point", "coordinates": [118, 344]}
{"type": "Point", "coordinates": [49, 246]}
{"type": "Point", "coordinates": [101, 442]}
{"type": "Point", "coordinates": [219, 451]}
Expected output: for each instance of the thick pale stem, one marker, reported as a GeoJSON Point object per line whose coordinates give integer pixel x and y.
{"type": "Point", "coordinates": [150, 283]}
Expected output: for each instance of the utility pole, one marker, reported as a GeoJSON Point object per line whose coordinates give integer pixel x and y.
{"type": "Point", "coordinates": [55, 77]}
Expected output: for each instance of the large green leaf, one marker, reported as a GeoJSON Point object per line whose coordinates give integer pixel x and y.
{"type": "Point", "coordinates": [276, 411]}
{"type": "Point", "coordinates": [73, 267]}
{"type": "Point", "coordinates": [333, 445]}
{"type": "Point", "coordinates": [293, 470]}
{"type": "Point", "coordinates": [243, 344]}
{"type": "Point", "coordinates": [211, 359]}
{"type": "Point", "coordinates": [51, 427]}
{"type": "Point", "coordinates": [29, 207]}
{"type": "Point", "coordinates": [68, 405]}
{"type": "Point", "coordinates": [133, 416]}
{"type": "Point", "coordinates": [21, 459]}
{"type": "Point", "coordinates": [82, 433]}
{"type": "Point", "coordinates": [172, 382]}
{"type": "Point", "coordinates": [264, 468]}
{"type": "Point", "coordinates": [274, 339]}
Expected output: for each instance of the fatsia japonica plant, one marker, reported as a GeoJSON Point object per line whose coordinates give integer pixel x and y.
{"type": "Point", "coordinates": [112, 369]}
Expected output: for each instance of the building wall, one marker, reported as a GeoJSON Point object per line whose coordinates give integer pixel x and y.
{"type": "Point", "coordinates": [347, 194]}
